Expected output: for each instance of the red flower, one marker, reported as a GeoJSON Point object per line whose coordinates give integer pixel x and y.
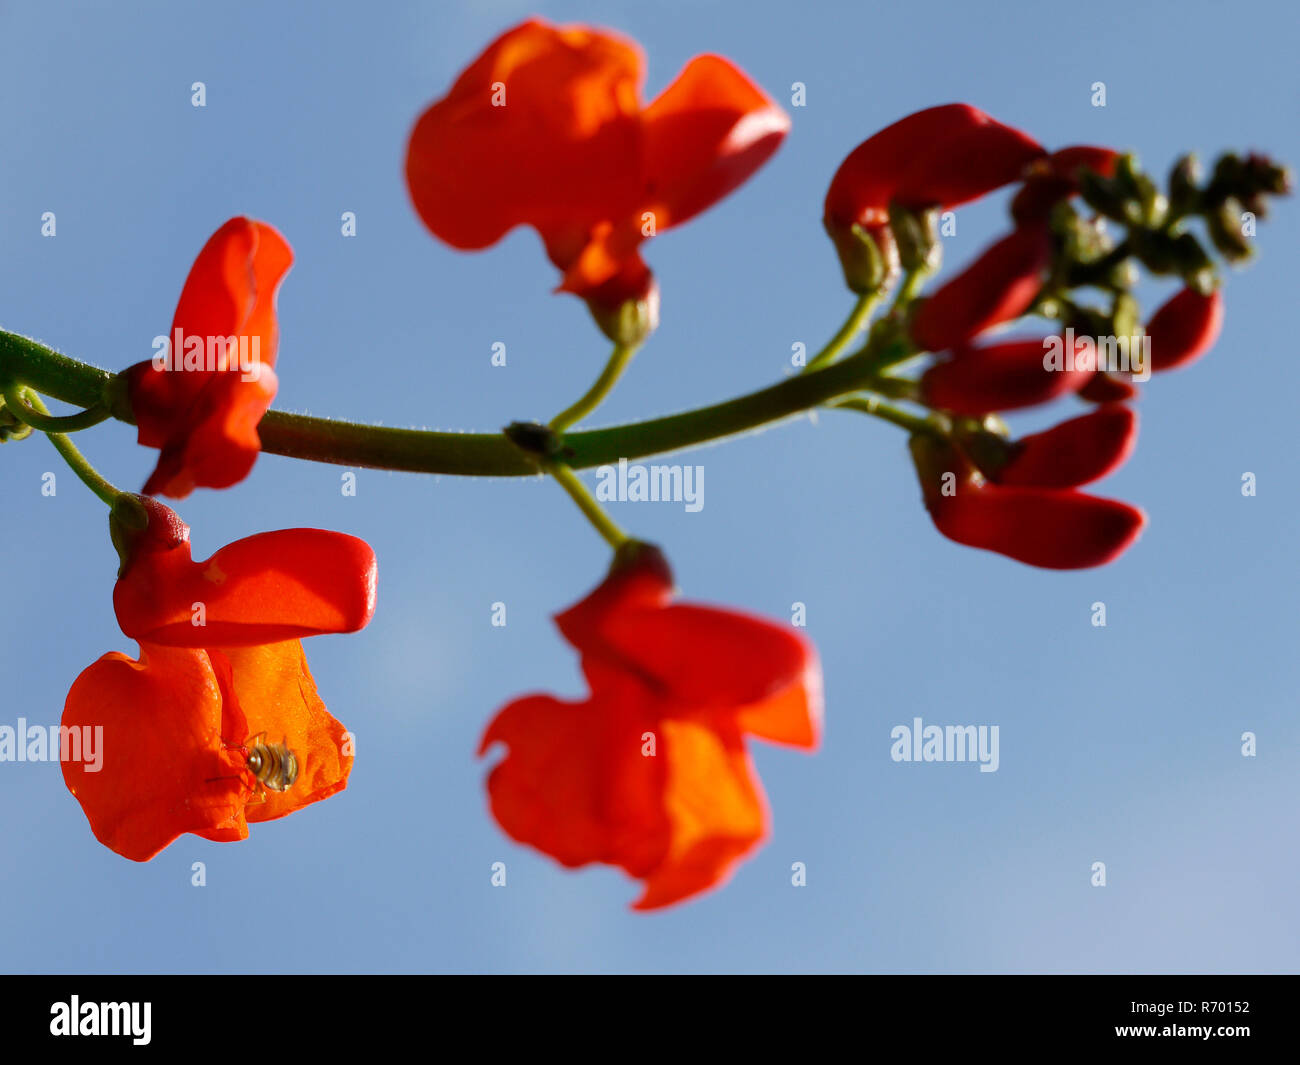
{"type": "Point", "coordinates": [1000, 285]}
{"type": "Point", "coordinates": [650, 772]}
{"type": "Point", "coordinates": [1074, 453]}
{"type": "Point", "coordinates": [201, 401]}
{"type": "Point", "coordinates": [997, 377]}
{"type": "Point", "coordinates": [1047, 527]}
{"type": "Point", "coordinates": [1055, 178]}
{"type": "Point", "coordinates": [1184, 329]}
{"type": "Point", "coordinates": [546, 129]}
{"type": "Point", "coordinates": [221, 670]}
{"type": "Point", "coordinates": [940, 157]}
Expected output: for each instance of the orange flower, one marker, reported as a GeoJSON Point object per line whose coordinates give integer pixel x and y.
{"type": "Point", "coordinates": [178, 725]}
{"type": "Point", "coordinates": [650, 772]}
{"type": "Point", "coordinates": [546, 129]}
{"type": "Point", "coordinates": [200, 401]}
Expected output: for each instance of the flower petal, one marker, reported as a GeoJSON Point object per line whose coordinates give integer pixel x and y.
{"type": "Point", "coordinates": [704, 136]}
{"type": "Point", "coordinates": [1184, 329]}
{"type": "Point", "coordinates": [558, 150]}
{"type": "Point", "coordinates": [1006, 376]}
{"type": "Point", "coordinates": [716, 812]}
{"type": "Point", "coordinates": [202, 409]}
{"type": "Point", "coordinates": [1056, 178]}
{"type": "Point", "coordinates": [941, 156]}
{"type": "Point", "coordinates": [164, 770]}
{"type": "Point", "coordinates": [276, 694]}
{"type": "Point", "coordinates": [1051, 528]}
{"type": "Point", "coordinates": [262, 589]}
{"type": "Point", "coordinates": [1076, 452]}
{"type": "Point", "coordinates": [998, 286]}
{"type": "Point", "coordinates": [575, 784]}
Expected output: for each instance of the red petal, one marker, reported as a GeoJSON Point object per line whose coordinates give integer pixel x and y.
{"type": "Point", "coordinates": [997, 287]}
{"type": "Point", "coordinates": [1076, 452]}
{"type": "Point", "coordinates": [579, 783]}
{"type": "Point", "coordinates": [1051, 528]}
{"type": "Point", "coordinates": [562, 153]}
{"type": "Point", "coordinates": [204, 417]}
{"type": "Point", "coordinates": [1184, 329]}
{"type": "Point", "coordinates": [575, 783]}
{"type": "Point", "coordinates": [704, 136]}
{"type": "Point", "coordinates": [1103, 387]}
{"type": "Point", "coordinates": [701, 658]}
{"type": "Point", "coordinates": [1055, 178]}
{"type": "Point", "coordinates": [942, 156]}
{"type": "Point", "coordinates": [262, 589]}
{"type": "Point", "coordinates": [997, 377]}
{"type": "Point", "coordinates": [698, 659]}
{"type": "Point", "coordinates": [164, 770]}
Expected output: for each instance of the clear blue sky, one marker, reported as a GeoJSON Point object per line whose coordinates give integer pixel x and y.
{"type": "Point", "coordinates": [1119, 744]}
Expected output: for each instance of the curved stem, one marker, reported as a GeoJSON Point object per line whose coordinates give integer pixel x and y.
{"type": "Point", "coordinates": [593, 511]}
{"type": "Point", "coordinates": [46, 423]}
{"type": "Point", "coordinates": [90, 477]}
{"type": "Point", "coordinates": [595, 395]}
{"type": "Point", "coordinates": [888, 412]}
{"type": "Point", "coordinates": [465, 454]}
{"type": "Point", "coordinates": [913, 281]}
{"type": "Point", "coordinates": [852, 326]}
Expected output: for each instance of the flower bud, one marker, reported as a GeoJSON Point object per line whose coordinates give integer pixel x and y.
{"type": "Point", "coordinates": [1051, 528]}
{"type": "Point", "coordinates": [1004, 376]}
{"type": "Point", "coordinates": [1184, 329]}
{"type": "Point", "coordinates": [1224, 227]}
{"type": "Point", "coordinates": [627, 316]}
{"type": "Point", "coordinates": [1184, 186]}
{"type": "Point", "coordinates": [868, 257]}
{"type": "Point", "coordinates": [1000, 285]}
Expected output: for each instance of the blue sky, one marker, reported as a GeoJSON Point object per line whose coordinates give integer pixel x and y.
{"type": "Point", "coordinates": [1118, 744]}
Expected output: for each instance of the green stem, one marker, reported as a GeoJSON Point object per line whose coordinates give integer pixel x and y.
{"type": "Point", "coordinates": [593, 511]}
{"type": "Point", "coordinates": [852, 326]}
{"type": "Point", "coordinates": [913, 280]}
{"type": "Point", "coordinates": [618, 361]}
{"type": "Point", "coordinates": [465, 454]}
{"type": "Point", "coordinates": [888, 412]}
{"type": "Point", "coordinates": [69, 423]}
{"type": "Point", "coordinates": [90, 477]}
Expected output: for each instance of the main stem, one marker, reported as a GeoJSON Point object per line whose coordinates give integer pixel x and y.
{"type": "Point", "coordinates": [467, 454]}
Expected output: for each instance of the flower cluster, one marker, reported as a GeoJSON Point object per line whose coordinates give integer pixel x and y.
{"type": "Point", "coordinates": [1020, 498]}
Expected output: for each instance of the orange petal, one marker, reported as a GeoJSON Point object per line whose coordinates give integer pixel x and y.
{"type": "Point", "coordinates": [575, 783]}
{"type": "Point", "coordinates": [705, 134]}
{"type": "Point", "coordinates": [557, 150]}
{"type": "Point", "coordinates": [262, 589]}
{"type": "Point", "coordinates": [715, 808]}
{"type": "Point", "coordinates": [274, 690]}
{"type": "Point", "coordinates": [164, 771]}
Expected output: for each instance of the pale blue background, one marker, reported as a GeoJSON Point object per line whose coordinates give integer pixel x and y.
{"type": "Point", "coordinates": [1118, 744]}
